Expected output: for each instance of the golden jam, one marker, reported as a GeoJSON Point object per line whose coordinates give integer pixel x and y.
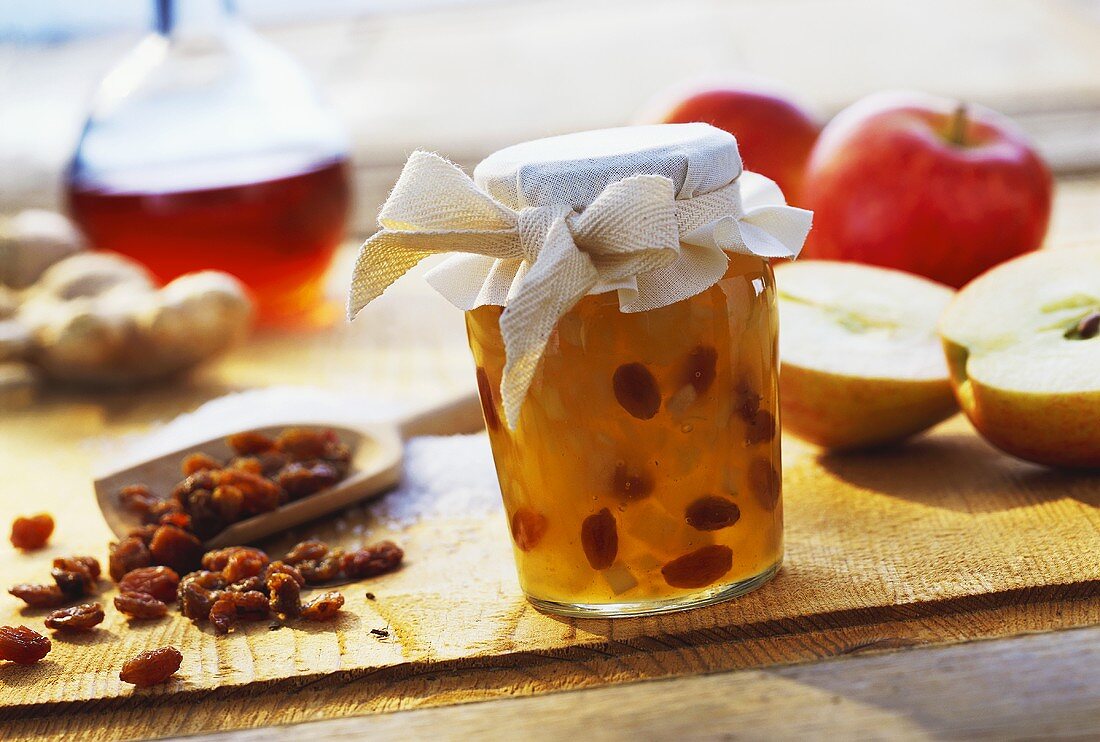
{"type": "Point", "coordinates": [644, 473]}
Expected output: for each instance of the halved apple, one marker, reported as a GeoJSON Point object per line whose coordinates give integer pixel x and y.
{"type": "Point", "coordinates": [1023, 348]}
{"type": "Point", "coordinates": [861, 362]}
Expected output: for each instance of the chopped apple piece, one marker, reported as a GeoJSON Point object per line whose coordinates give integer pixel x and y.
{"type": "Point", "coordinates": [1023, 345]}
{"type": "Point", "coordinates": [861, 363]}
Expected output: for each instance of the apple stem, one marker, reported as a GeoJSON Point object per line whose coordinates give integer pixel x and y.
{"type": "Point", "coordinates": [956, 126]}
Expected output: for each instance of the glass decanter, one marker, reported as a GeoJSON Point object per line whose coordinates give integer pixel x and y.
{"type": "Point", "coordinates": [208, 148]}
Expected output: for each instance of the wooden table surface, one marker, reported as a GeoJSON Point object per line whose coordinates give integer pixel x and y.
{"type": "Point", "coordinates": [918, 677]}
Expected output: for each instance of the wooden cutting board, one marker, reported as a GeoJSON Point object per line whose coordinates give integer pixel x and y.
{"type": "Point", "coordinates": [937, 532]}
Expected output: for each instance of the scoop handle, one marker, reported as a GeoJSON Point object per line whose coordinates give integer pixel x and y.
{"type": "Point", "coordinates": [455, 415]}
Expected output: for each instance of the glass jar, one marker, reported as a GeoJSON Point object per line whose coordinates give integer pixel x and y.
{"type": "Point", "coordinates": [644, 473]}
{"type": "Point", "coordinates": [208, 148]}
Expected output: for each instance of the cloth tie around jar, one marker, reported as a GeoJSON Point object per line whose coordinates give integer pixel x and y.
{"type": "Point", "coordinates": [646, 211]}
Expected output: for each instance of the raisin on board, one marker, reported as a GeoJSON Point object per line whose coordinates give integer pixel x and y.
{"type": "Point", "coordinates": [323, 570]}
{"type": "Point", "coordinates": [528, 528]}
{"type": "Point", "coordinates": [373, 560]}
{"type": "Point", "coordinates": [29, 534]}
{"type": "Point", "coordinates": [243, 564]}
{"type": "Point", "coordinates": [39, 596]}
{"type": "Point", "coordinates": [711, 513]}
{"type": "Point", "coordinates": [700, 568]}
{"type": "Point", "coordinates": [78, 618]}
{"type": "Point", "coordinates": [127, 555]}
{"type": "Point", "coordinates": [600, 539]}
{"type": "Point", "coordinates": [324, 607]}
{"type": "Point", "coordinates": [284, 568]}
{"type": "Point", "coordinates": [198, 592]}
{"type": "Point", "coordinates": [22, 645]}
{"type": "Point", "coordinates": [311, 550]}
{"type": "Point", "coordinates": [140, 606]}
{"type": "Point", "coordinates": [248, 585]}
{"type": "Point", "coordinates": [159, 582]}
{"type": "Point", "coordinates": [76, 576]}
{"type": "Point", "coordinates": [636, 390]}
{"type": "Point", "coordinates": [286, 595]}
{"type": "Point", "coordinates": [152, 667]}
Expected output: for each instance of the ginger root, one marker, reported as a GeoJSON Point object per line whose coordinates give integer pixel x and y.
{"type": "Point", "coordinates": [97, 318]}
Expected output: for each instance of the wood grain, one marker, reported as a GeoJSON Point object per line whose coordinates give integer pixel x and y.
{"type": "Point", "coordinates": [1002, 690]}
{"type": "Point", "coordinates": [945, 526]}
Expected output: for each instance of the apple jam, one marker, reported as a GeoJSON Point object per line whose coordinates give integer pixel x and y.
{"type": "Point", "coordinates": [644, 472]}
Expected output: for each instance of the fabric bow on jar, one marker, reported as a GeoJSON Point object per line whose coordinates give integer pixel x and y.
{"type": "Point", "coordinates": [635, 237]}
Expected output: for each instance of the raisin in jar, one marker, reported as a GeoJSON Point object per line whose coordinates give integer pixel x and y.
{"type": "Point", "coordinates": [622, 317]}
{"type": "Point", "coordinates": [666, 421]}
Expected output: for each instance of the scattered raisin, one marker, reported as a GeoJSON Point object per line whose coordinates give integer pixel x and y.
{"type": "Point", "coordinates": [306, 551]}
{"type": "Point", "coordinates": [286, 569]}
{"type": "Point", "coordinates": [129, 554]}
{"type": "Point", "coordinates": [376, 559]}
{"type": "Point", "coordinates": [301, 480]}
{"type": "Point", "coordinates": [488, 407]}
{"type": "Point", "coordinates": [140, 606]}
{"type": "Point", "coordinates": [528, 528]}
{"type": "Point", "coordinates": [324, 607]}
{"type": "Point", "coordinates": [761, 429]}
{"type": "Point", "coordinates": [699, 568]}
{"type": "Point", "coordinates": [286, 595]}
{"type": "Point", "coordinates": [137, 499]}
{"type": "Point", "coordinates": [230, 606]}
{"type": "Point", "coordinates": [31, 533]}
{"type": "Point", "coordinates": [152, 667]}
{"type": "Point", "coordinates": [636, 390]}
{"type": "Point", "coordinates": [198, 592]}
{"type": "Point", "coordinates": [77, 618]}
{"type": "Point", "coordinates": [700, 368]}
{"type": "Point", "coordinates": [87, 563]}
{"type": "Point", "coordinates": [324, 570]}
{"type": "Point", "coordinates": [248, 585]}
{"type": "Point", "coordinates": [600, 539]}
{"type": "Point", "coordinates": [630, 486]}
{"type": "Point", "coordinates": [22, 645]}
{"type": "Point", "coordinates": [159, 582]}
{"type": "Point", "coordinates": [217, 560]}
{"type": "Point", "coordinates": [76, 576]}
{"type": "Point", "coordinates": [244, 564]}
{"type": "Point", "coordinates": [249, 443]}
{"type": "Point", "coordinates": [39, 596]}
{"type": "Point", "coordinates": [711, 513]}
{"type": "Point", "coordinates": [176, 548]}
{"type": "Point", "coordinates": [764, 482]}
{"type": "Point", "coordinates": [197, 462]}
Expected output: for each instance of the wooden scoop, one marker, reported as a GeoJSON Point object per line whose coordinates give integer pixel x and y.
{"type": "Point", "coordinates": [376, 464]}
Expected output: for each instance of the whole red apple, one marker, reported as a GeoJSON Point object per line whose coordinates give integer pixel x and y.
{"type": "Point", "coordinates": [774, 134]}
{"type": "Point", "coordinates": [926, 185]}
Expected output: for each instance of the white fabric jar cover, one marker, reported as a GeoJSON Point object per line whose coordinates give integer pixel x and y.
{"type": "Point", "coordinates": [648, 211]}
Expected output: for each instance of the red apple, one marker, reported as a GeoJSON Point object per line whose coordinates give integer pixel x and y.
{"type": "Point", "coordinates": [926, 185]}
{"type": "Point", "coordinates": [774, 134]}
